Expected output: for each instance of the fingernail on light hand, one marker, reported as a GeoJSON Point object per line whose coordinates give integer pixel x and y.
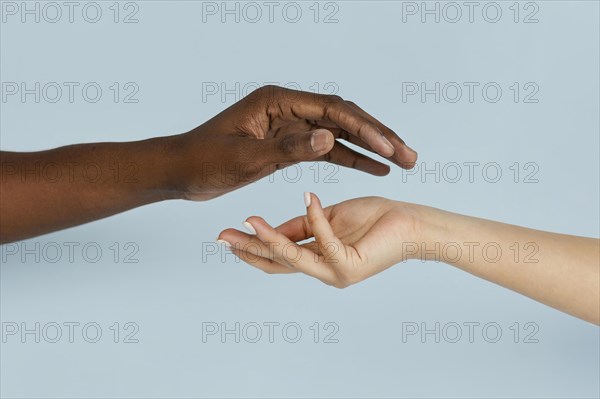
{"type": "Point", "coordinates": [249, 227]}
{"type": "Point", "coordinates": [227, 245]}
{"type": "Point", "coordinates": [307, 199]}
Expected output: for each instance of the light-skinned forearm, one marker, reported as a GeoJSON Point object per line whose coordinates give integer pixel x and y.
{"type": "Point", "coordinates": [559, 270]}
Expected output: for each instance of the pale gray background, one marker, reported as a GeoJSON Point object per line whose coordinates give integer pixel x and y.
{"type": "Point", "coordinates": [170, 292]}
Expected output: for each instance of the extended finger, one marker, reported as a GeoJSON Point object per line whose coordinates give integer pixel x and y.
{"type": "Point", "coordinates": [344, 156]}
{"type": "Point", "coordinates": [289, 253]}
{"type": "Point", "coordinates": [264, 264]}
{"type": "Point", "coordinates": [404, 156]}
{"type": "Point", "coordinates": [319, 107]}
{"type": "Point", "coordinates": [332, 248]}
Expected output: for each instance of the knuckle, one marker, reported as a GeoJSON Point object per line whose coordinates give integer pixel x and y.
{"type": "Point", "coordinates": [331, 102]}
{"type": "Point", "coordinates": [255, 94]}
{"type": "Point", "coordinates": [269, 89]}
{"type": "Point", "coordinates": [264, 93]}
{"type": "Point", "coordinates": [334, 98]}
{"type": "Point", "coordinates": [333, 110]}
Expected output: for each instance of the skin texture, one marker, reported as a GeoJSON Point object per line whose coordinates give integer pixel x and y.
{"type": "Point", "coordinates": [270, 129]}
{"type": "Point", "coordinates": [356, 239]}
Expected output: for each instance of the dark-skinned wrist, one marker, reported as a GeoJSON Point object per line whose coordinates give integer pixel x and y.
{"type": "Point", "coordinates": [161, 165]}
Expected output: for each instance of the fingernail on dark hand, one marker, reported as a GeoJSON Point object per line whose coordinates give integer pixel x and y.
{"type": "Point", "coordinates": [410, 149]}
{"type": "Point", "coordinates": [318, 140]}
{"type": "Point", "coordinates": [408, 156]}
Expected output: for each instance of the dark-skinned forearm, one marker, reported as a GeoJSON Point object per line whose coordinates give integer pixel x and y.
{"type": "Point", "coordinates": [45, 191]}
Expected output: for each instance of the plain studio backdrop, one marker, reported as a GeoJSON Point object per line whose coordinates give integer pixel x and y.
{"type": "Point", "coordinates": [500, 99]}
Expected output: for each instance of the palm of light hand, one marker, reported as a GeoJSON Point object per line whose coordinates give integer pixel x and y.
{"type": "Point", "coordinates": [370, 231]}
